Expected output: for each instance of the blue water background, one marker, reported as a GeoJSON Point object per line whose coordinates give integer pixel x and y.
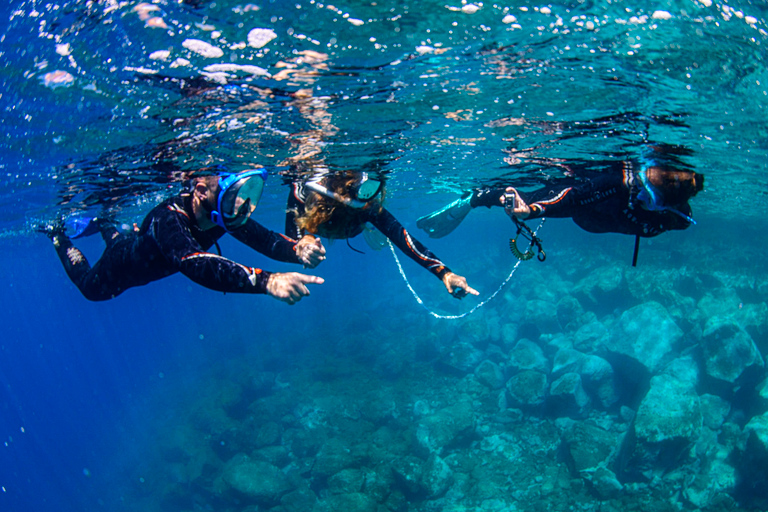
{"type": "Point", "coordinates": [85, 386]}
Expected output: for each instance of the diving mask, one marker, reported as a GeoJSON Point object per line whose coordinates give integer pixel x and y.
{"type": "Point", "coordinates": [239, 193]}
{"type": "Point", "coordinates": [362, 192]}
{"type": "Point", "coordinates": [652, 199]}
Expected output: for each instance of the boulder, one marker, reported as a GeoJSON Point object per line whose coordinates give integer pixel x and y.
{"type": "Point", "coordinates": [527, 389]}
{"type": "Point", "coordinates": [667, 425]}
{"type": "Point", "coordinates": [729, 351]}
{"type": "Point", "coordinates": [596, 374]}
{"type": "Point", "coordinates": [646, 334]}
{"type": "Point", "coordinates": [593, 451]}
{"type": "Point", "coordinates": [670, 411]}
{"type": "Point", "coordinates": [461, 359]}
{"type": "Point", "coordinates": [353, 502]}
{"type": "Point", "coordinates": [490, 374]}
{"type": "Point", "coordinates": [445, 428]}
{"type": "Point", "coordinates": [255, 481]}
{"type": "Point", "coordinates": [567, 397]}
{"type": "Point", "coordinates": [527, 355]}
{"type": "Point", "coordinates": [335, 455]}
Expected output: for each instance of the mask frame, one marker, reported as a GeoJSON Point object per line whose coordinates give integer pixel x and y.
{"type": "Point", "coordinates": [226, 182]}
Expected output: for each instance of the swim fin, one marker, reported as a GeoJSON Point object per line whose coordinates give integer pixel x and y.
{"type": "Point", "coordinates": [81, 227]}
{"type": "Point", "coordinates": [441, 222]}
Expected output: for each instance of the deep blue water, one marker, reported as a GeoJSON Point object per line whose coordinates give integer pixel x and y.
{"type": "Point", "coordinates": [443, 99]}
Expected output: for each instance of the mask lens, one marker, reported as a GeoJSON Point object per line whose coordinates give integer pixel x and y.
{"type": "Point", "coordinates": [240, 200]}
{"type": "Point", "coordinates": [368, 189]}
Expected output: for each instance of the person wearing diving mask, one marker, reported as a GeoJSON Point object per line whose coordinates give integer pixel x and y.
{"type": "Point", "coordinates": [340, 205]}
{"type": "Point", "coordinates": [642, 198]}
{"type": "Point", "coordinates": [176, 237]}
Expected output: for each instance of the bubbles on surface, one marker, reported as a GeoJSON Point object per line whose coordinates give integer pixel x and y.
{"type": "Point", "coordinates": [58, 78]}
{"type": "Point", "coordinates": [202, 48]}
{"type": "Point", "coordinates": [260, 37]}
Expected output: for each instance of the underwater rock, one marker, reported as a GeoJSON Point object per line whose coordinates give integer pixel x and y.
{"type": "Point", "coordinates": [490, 374]}
{"type": "Point", "coordinates": [527, 389]}
{"type": "Point", "coordinates": [541, 314]}
{"type": "Point", "coordinates": [255, 481]}
{"type": "Point", "coordinates": [596, 374]}
{"type": "Point", "coordinates": [591, 336]}
{"type": "Point", "coordinates": [604, 286]}
{"type": "Point", "coordinates": [445, 428]}
{"type": "Point", "coordinates": [462, 359]}
{"type": "Point", "coordinates": [378, 482]}
{"type": "Point", "coordinates": [337, 454]}
{"type": "Point", "coordinates": [671, 410]}
{"type": "Point", "coordinates": [714, 410]}
{"type": "Point", "coordinates": [275, 455]}
{"type": "Point", "coordinates": [752, 466]}
{"type": "Point", "coordinates": [730, 352]}
{"type": "Point", "coordinates": [570, 313]}
{"type": "Point", "coordinates": [268, 434]}
{"type": "Point", "coordinates": [647, 334]}
{"type": "Point", "coordinates": [300, 500]}
{"type": "Point", "coordinates": [407, 472]}
{"type": "Point", "coordinates": [346, 481]}
{"type": "Point", "coordinates": [303, 442]}
{"type": "Point", "coordinates": [436, 477]}
{"type": "Point", "coordinates": [567, 397]}
{"type": "Point", "coordinates": [353, 502]}
{"type": "Point", "coordinates": [667, 424]}
{"type": "Point", "coordinates": [709, 488]}
{"type": "Point", "coordinates": [527, 355]}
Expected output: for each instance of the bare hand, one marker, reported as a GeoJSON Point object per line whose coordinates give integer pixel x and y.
{"type": "Point", "coordinates": [457, 285]}
{"type": "Point", "coordinates": [290, 287]}
{"type": "Point", "coordinates": [520, 209]}
{"type": "Point", "coordinates": [310, 251]}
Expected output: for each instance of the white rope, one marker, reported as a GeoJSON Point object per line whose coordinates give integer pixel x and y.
{"type": "Point", "coordinates": [455, 317]}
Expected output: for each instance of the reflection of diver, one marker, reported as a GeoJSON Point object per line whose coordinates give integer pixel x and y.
{"type": "Point", "coordinates": [339, 205]}
{"type": "Point", "coordinates": [175, 237]}
{"type": "Point", "coordinates": [644, 202]}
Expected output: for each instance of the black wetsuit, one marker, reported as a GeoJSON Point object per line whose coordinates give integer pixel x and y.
{"type": "Point", "coordinates": [167, 242]}
{"type": "Point", "coordinates": [381, 219]}
{"type": "Point", "coordinates": [604, 203]}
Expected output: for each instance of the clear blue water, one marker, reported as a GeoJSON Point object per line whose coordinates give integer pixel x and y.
{"type": "Point", "coordinates": [444, 95]}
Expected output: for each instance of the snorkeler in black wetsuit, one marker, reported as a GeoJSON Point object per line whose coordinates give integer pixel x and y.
{"type": "Point", "coordinates": [175, 237]}
{"type": "Point", "coordinates": [339, 205]}
{"type": "Point", "coordinates": [644, 201]}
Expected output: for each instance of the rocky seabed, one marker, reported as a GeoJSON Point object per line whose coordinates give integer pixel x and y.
{"type": "Point", "coordinates": [610, 388]}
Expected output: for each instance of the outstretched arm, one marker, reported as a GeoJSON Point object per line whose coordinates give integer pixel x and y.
{"type": "Point", "coordinates": [392, 229]}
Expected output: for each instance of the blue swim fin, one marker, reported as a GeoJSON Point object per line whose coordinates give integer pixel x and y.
{"type": "Point", "coordinates": [441, 222]}
{"type": "Point", "coordinates": [81, 227]}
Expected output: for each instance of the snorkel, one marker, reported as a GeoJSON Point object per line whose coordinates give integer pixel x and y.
{"type": "Point", "coordinates": [365, 190]}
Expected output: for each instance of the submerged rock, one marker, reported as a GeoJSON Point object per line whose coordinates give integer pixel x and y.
{"type": "Point", "coordinates": [490, 374]}
{"type": "Point", "coordinates": [596, 374]}
{"type": "Point", "coordinates": [667, 425]}
{"type": "Point", "coordinates": [670, 411]}
{"type": "Point", "coordinates": [357, 502]}
{"type": "Point", "coordinates": [527, 389]}
{"type": "Point", "coordinates": [527, 355]}
{"type": "Point", "coordinates": [445, 428]}
{"type": "Point", "coordinates": [567, 397]}
{"type": "Point", "coordinates": [255, 481]}
{"type": "Point", "coordinates": [462, 359]}
{"type": "Point", "coordinates": [729, 351]}
{"type": "Point", "coordinates": [647, 334]}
